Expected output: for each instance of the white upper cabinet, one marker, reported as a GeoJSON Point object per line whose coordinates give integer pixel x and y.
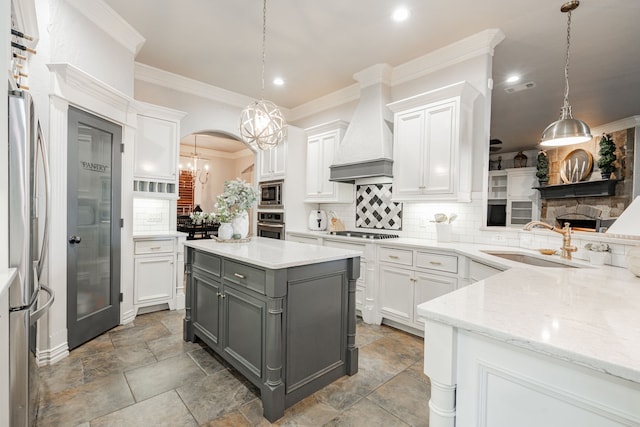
{"type": "Point", "coordinates": [157, 144]}
{"type": "Point", "coordinates": [322, 143]}
{"type": "Point", "coordinates": [432, 145]}
{"type": "Point", "coordinates": [272, 162]}
{"type": "Point", "coordinates": [522, 198]}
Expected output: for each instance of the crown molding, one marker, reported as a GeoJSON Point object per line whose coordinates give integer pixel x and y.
{"type": "Point", "coordinates": [482, 43]}
{"type": "Point", "coordinates": [622, 124]}
{"type": "Point", "coordinates": [105, 18]}
{"type": "Point", "coordinates": [153, 75]}
{"type": "Point", "coordinates": [334, 99]}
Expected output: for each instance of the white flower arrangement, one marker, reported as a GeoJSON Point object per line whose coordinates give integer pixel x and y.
{"type": "Point", "coordinates": [202, 217]}
{"type": "Point", "coordinates": [237, 197]}
{"type": "Point", "coordinates": [597, 247]}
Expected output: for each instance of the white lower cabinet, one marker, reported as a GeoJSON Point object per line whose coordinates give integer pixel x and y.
{"type": "Point", "coordinates": [304, 239]}
{"type": "Point", "coordinates": [479, 271]}
{"type": "Point", "coordinates": [410, 277]}
{"type": "Point", "coordinates": [155, 274]}
{"type": "Point", "coordinates": [501, 385]}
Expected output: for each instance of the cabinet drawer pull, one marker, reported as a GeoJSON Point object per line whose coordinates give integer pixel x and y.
{"type": "Point", "coordinates": [394, 256]}
{"type": "Point", "coordinates": [155, 248]}
{"type": "Point", "coordinates": [435, 263]}
{"type": "Point", "coordinates": [239, 276]}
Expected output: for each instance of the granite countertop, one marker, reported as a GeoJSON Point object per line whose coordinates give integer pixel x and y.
{"type": "Point", "coordinates": [6, 277]}
{"type": "Point", "coordinates": [273, 253]}
{"type": "Point", "coordinates": [158, 234]}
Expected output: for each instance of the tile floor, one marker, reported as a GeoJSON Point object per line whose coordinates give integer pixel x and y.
{"type": "Point", "coordinates": [144, 374]}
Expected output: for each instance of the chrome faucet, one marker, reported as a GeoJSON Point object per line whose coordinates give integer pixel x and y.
{"type": "Point", "coordinates": [566, 249]}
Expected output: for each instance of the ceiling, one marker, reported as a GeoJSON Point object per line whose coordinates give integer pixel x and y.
{"type": "Point", "coordinates": [317, 46]}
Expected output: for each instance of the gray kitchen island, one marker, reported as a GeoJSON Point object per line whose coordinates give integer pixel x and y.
{"type": "Point", "coordinates": [281, 313]}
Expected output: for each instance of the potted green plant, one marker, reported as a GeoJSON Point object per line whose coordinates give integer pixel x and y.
{"type": "Point", "coordinates": [232, 205]}
{"type": "Point", "coordinates": [607, 156]}
{"type": "Point", "coordinates": [542, 168]}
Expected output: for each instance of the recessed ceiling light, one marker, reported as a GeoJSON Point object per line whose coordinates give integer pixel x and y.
{"type": "Point", "coordinates": [400, 14]}
{"type": "Point", "coordinates": [513, 78]}
{"type": "Point", "coordinates": [278, 81]}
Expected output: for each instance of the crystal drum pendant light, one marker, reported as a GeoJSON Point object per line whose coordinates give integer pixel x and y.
{"type": "Point", "coordinates": [567, 130]}
{"type": "Point", "coordinates": [262, 125]}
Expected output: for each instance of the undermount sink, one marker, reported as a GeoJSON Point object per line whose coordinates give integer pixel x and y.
{"type": "Point", "coordinates": [531, 259]}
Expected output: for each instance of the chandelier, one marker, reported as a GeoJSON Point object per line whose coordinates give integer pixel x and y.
{"type": "Point", "coordinates": [262, 124]}
{"type": "Point", "coordinates": [567, 130]}
{"type": "Point", "coordinates": [197, 174]}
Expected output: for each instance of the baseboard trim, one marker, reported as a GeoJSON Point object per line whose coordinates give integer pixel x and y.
{"type": "Point", "coordinates": [52, 355]}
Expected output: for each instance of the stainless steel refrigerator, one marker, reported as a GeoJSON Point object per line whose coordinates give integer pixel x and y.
{"type": "Point", "coordinates": [27, 251]}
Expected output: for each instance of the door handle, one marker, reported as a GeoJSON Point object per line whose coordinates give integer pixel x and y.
{"type": "Point", "coordinates": [75, 239]}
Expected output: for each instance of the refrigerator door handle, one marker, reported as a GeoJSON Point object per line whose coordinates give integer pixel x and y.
{"type": "Point", "coordinates": [33, 318]}
{"type": "Point", "coordinates": [32, 302]}
{"type": "Point", "coordinates": [47, 183]}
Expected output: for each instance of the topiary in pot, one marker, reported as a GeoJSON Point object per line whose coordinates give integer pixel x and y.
{"type": "Point", "coordinates": [542, 167]}
{"type": "Point", "coordinates": [607, 156]}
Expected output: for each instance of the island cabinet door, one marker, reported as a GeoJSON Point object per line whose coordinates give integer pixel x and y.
{"type": "Point", "coordinates": [206, 311]}
{"type": "Point", "coordinates": [244, 330]}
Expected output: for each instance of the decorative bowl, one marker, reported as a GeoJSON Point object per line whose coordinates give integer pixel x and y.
{"type": "Point", "coordinates": [547, 251]}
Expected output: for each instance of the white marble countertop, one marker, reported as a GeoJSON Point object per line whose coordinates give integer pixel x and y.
{"type": "Point", "coordinates": [6, 276]}
{"type": "Point", "coordinates": [158, 234]}
{"type": "Point", "coordinates": [273, 253]}
{"type": "Point", "coordinates": [587, 316]}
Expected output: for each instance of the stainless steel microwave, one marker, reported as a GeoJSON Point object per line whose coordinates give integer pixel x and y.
{"type": "Point", "coordinates": [271, 194]}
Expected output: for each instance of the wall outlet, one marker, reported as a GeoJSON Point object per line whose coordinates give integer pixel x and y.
{"type": "Point", "coordinates": [498, 238]}
{"type": "Point", "coordinates": [423, 223]}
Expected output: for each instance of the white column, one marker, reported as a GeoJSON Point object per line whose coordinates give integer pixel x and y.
{"type": "Point", "coordinates": [440, 345]}
{"type": "Point", "coordinates": [53, 336]}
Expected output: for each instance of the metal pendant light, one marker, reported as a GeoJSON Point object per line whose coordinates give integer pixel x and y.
{"type": "Point", "coordinates": [262, 124]}
{"type": "Point", "coordinates": [567, 130]}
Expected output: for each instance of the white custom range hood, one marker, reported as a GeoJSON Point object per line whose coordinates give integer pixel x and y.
{"type": "Point", "coordinates": [366, 149]}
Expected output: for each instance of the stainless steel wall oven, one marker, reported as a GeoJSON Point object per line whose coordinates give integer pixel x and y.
{"type": "Point", "coordinates": [271, 225]}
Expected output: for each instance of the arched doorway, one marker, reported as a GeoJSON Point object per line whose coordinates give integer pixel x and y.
{"type": "Point", "coordinates": [220, 157]}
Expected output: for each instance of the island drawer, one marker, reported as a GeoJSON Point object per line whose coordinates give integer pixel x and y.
{"type": "Point", "coordinates": [143, 247]}
{"type": "Point", "coordinates": [245, 275]}
{"type": "Point", "coordinates": [440, 262]}
{"type": "Point", "coordinates": [207, 262]}
{"type": "Point", "coordinates": [396, 255]}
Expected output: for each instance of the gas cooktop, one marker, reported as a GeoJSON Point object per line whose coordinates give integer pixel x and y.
{"type": "Point", "coordinates": [364, 234]}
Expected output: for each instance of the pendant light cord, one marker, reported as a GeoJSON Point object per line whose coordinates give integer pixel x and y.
{"type": "Point", "coordinates": [566, 65]}
{"type": "Point", "coordinates": [264, 43]}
